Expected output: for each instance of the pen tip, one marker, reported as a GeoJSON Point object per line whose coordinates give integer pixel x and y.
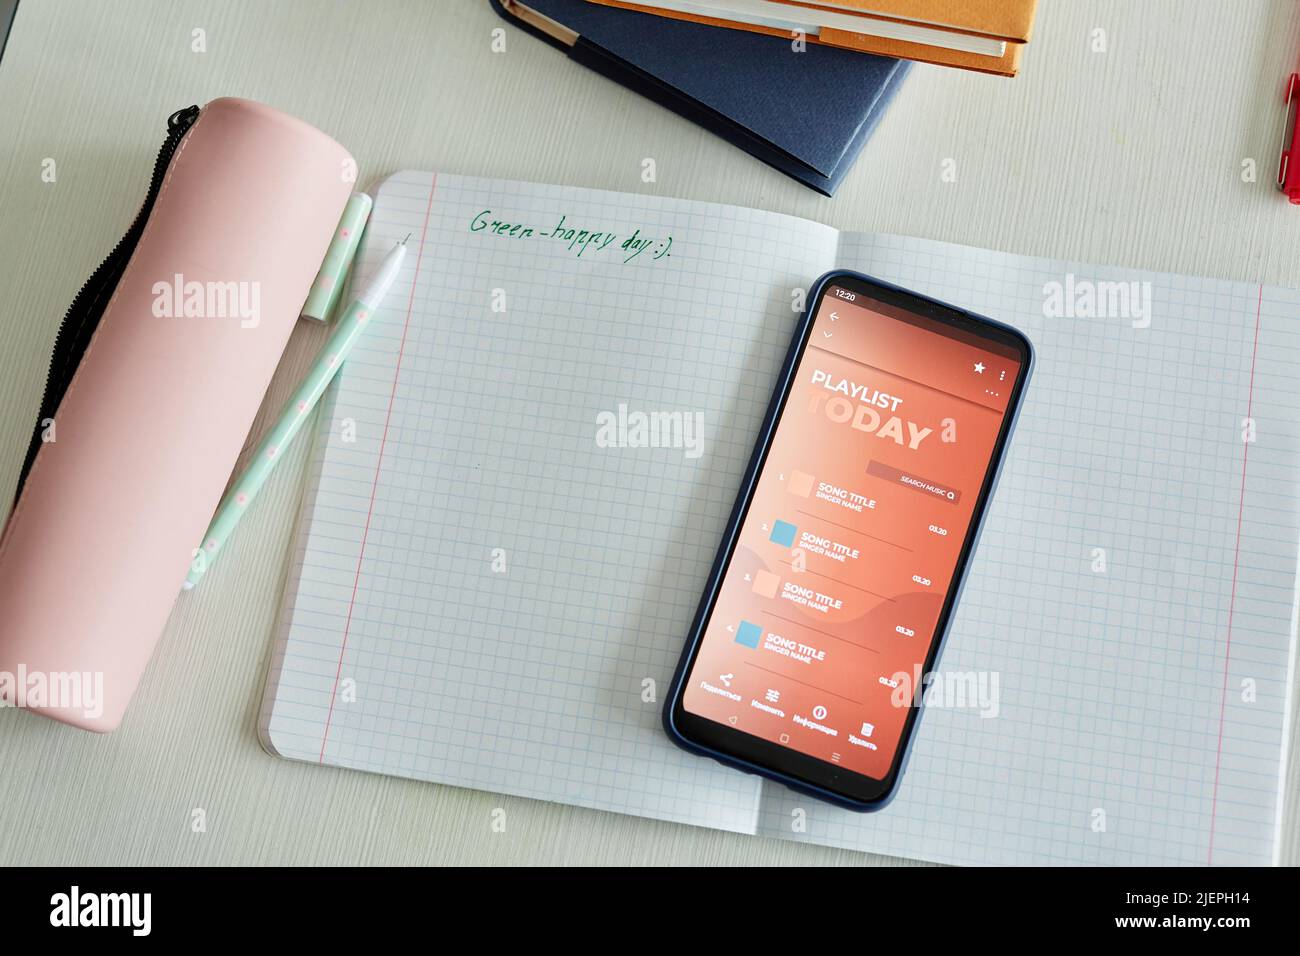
{"type": "Point", "coordinates": [403, 242]}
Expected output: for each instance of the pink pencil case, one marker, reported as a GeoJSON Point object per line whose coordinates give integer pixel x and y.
{"type": "Point", "coordinates": [157, 373]}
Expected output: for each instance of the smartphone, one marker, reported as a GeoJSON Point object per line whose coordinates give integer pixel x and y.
{"type": "Point", "coordinates": [844, 555]}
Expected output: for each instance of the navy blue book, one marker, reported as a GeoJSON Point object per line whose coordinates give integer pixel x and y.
{"type": "Point", "coordinates": [808, 114]}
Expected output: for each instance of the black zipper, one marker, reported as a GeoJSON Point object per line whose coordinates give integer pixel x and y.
{"type": "Point", "coordinates": [83, 316]}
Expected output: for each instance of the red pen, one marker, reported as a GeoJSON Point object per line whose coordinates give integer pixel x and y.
{"type": "Point", "coordinates": [1288, 176]}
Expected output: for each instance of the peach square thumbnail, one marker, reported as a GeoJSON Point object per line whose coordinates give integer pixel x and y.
{"type": "Point", "coordinates": [801, 483]}
{"type": "Point", "coordinates": [765, 583]}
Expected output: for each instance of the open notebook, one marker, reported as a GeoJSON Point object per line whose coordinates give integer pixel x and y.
{"type": "Point", "coordinates": [483, 595]}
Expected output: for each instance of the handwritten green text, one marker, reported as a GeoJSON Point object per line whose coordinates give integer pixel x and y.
{"type": "Point", "coordinates": [575, 239]}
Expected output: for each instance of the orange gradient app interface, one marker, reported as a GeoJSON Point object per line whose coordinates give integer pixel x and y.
{"type": "Point", "coordinates": [832, 597]}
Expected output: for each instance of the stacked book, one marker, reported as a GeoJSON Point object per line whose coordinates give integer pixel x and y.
{"type": "Point", "coordinates": [805, 103]}
{"type": "Point", "coordinates": [984, 35]}
{"type": "Point", "coordinates": [807, 114]}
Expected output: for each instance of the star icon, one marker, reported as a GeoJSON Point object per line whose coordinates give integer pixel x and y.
{"type": "Point", "coordinates": [979, 367]}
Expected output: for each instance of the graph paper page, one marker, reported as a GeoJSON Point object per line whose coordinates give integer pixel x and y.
{"type": "Point", "coordinates": [1133, 588]}
{"type": "Point", "coordinates": [485, 593]}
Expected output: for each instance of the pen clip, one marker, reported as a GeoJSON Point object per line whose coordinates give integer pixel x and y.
{"type": "Point", "coordinates": [334, 268]}
{"type": "Point", "coordinates": [1288, 132]}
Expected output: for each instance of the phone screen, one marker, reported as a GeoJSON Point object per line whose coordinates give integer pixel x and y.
{"type": "Point", "coordinates": [839, 577]}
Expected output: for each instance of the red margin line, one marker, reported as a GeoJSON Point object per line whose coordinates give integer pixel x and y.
{"type": "Point", "coordinates": [379, 464]}
{"type": "Point", "coordinates": [1236, 559]}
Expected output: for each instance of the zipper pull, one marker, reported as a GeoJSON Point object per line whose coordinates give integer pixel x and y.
{"type": "Point", "coordinates": [182, 119]}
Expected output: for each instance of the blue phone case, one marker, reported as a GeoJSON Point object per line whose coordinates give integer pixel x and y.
{"type": "Point", "coordinates": [733, 529]}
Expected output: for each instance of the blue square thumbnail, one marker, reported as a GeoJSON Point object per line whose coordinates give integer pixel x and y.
{"type": "Point", "coordinates": [748, 634]}
{"type": "Point", "coordinates": [783, 533]}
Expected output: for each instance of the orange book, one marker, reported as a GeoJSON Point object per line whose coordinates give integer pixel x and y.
{"type": "Point", "coordinates": [1010, 20]}
{"type": "Point", "coordinates": [983, 35]}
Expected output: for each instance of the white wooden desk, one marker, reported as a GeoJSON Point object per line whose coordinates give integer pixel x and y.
{"type": "Point", "coordinates": [1130, 156]}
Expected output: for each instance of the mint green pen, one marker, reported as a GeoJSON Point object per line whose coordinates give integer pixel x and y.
{"type": "Point", "coordinates": [272, 448]}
